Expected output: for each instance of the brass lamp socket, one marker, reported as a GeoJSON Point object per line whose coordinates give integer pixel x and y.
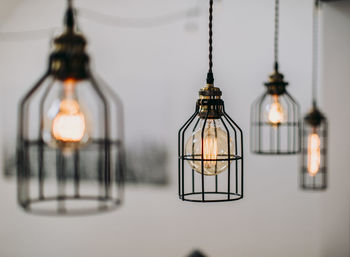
{"type": "Point", "coordinates": [314, 117]}
{"type": "Point", "coordinates": [276, 84]}
{"type": "Point", "coordinates": [69, 59]}
{"type": "Point", "coordinates": [209, 103]}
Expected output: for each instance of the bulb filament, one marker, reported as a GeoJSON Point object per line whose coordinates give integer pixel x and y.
{"type": "Point", "coordinates": [276, 112]}
{"type": "Point", "coordinates": [314, 154]}
{"type": "Point", "coordinates": [210, 149]}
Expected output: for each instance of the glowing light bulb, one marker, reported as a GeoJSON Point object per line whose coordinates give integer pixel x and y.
{"type": "Point", "coordinates": [215, 147]}
{"type": "Point", "coordinates": [69, 124]}
{"type": "Point", "coordinates": [276, 114]}
{"type": "Point", "coordinates": [313, 154]}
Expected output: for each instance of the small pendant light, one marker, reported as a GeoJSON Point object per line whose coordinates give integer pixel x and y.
{"type": "Point", "coordinates": [315, 129]}
{"type": "Point", "coordinates": [210, 146]}
{"type": "Point", "coordinates": [275, 116]}
{"type": "Point", "coordinates": [70, 136]}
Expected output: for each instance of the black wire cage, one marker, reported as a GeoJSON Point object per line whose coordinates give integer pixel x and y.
{"type": "Point", "coordinates": [315, 128]}
{"type": "Point", "coordinates": [275, 116]}
{"type": "Point", "coordinates": [213, 150]}
{"type": "Point", "coordinates": [211, 145]}
{"type": "Point", "coordinates": [314, 151]}
{"type": "Point", "coordinates": [70, 136]}
{"type": "Point", "coordinates": [275, 120]}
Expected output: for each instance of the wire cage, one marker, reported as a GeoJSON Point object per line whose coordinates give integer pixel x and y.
{"type": "Point", "coordinates": [70, 156]}
{"type": "Point", "coordinates": [314, 151]}
{"type": "Point", "coordinates": [275, 120]}
{"type": "Point", "coordinates": [211, 145]}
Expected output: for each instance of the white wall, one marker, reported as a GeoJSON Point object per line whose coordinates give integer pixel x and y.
{"type": "Point", "coordinates": [335, 204]}
{"type": "Point", "coordinates": [162, 69]}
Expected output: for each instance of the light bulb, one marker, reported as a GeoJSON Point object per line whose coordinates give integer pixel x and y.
{"type": "Point", "coordinates": [275, 112]}
{"type": "Point", "coordinates": [215, 147]}
{"type": "Point", "coordinates": [313, 153]}
{"type": "Point", "coordinates": [68, 128]}
{"type": "Point", "coordinates": [69, 124]}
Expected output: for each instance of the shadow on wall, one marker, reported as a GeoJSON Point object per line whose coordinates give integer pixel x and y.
{"type": "Point", "coordinates": [341, 6]}
{"type": "Point", "coordinates": [335, 216]}
{"type": "Point", "coordinates": [147, 163]}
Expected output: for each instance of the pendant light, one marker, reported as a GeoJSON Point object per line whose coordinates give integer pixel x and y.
{"type": "Point", "coordinates": [315, 129]}
{"type": "Point", "coordinates": [210, 146]}
{"type": "Point", "coordinates": [70, 136]}
{"type": "Point", "coordinates": [275, 116]}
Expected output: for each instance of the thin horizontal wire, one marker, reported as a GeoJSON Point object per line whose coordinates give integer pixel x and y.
{"type": "Point", "coordinates": [109, 20]}
{"type": "Point", "coordinates": [27, 35]}
{"type": "Point", "coordinates": [147, 22]}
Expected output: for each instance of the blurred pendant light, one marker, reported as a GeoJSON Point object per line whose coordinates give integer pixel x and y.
{"type": "Point", "coordinates": [315, 129]}
{"type": "Point", "coordinates": [275, 116]}
{"type": "Point", "coordinates": [211, 144]}
{"type": "Point", "coordinates": [70, 141]}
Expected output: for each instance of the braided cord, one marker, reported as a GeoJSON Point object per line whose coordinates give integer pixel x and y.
{"type": "Point", "coordinates": [210, 76]}
{"type": "Point", "coordinates": [276, 35]}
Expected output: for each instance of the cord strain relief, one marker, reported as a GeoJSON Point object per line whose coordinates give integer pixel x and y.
{"type": "Point", "coordinates": [210, 78]}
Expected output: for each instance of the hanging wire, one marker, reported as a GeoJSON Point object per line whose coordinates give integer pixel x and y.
{"type": "Point", "coordinates": [276, 35]}
{"type": "Point", "coordinates": [315, 39]}
{"type": "Point", "coordinates": [210, 76]}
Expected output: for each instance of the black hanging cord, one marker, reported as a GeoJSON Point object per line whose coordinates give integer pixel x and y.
{"type": "Point", "coordinates": [210, 75]}
{"type": "Point", "coordinates": [276, 35]}
{"type": "Point", "coordinates": [315, 52]}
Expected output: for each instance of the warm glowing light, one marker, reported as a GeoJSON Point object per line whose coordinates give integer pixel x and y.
{"type": "Point", "coordinates": [276, 113]}
{"type": "Point", "coordinates": [210, 149]}
{"type": "Point", "coordinates": [313, 154]}
{"type": "Point", "coordinates": [215, 147]}
{"type": "Point", "coordinates": [69, 125]}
